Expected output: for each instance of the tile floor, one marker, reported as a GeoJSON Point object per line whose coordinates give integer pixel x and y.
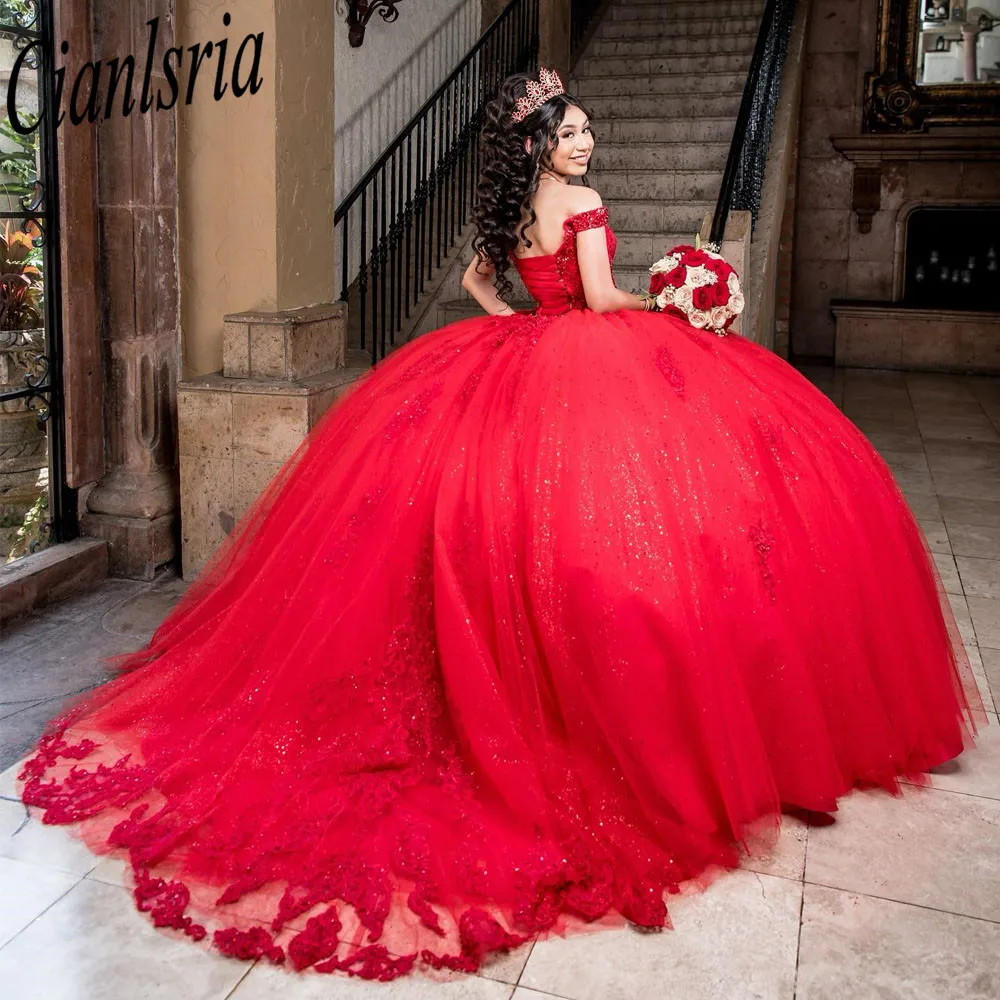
{"type": "Point", "coordinates": [899, 898]}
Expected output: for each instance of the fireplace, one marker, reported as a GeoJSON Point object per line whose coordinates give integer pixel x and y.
{"type": "Point", "coordinates": [952, 259]}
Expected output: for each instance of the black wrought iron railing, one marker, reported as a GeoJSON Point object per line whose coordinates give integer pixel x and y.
{"type": "Point", "coordinates": [743, 179]}
{"type": "Point", "coordinates": [33, 435]}
{"type": "Point", "coordinates": [404, 216]}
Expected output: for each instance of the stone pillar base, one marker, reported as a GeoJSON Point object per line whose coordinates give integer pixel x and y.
{"type": "Point", "coordinates": [137, 547]}
{"type": "Point", "coordinates": [236, 433]}
{"type": "Point", "coordinates": [735, 251]}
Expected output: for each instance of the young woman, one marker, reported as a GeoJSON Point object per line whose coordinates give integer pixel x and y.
{"type": "Point", "coordinates": [555, 612]}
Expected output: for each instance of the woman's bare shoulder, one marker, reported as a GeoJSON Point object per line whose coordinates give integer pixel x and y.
{"type": "Point", "coordinates": [582, 199]}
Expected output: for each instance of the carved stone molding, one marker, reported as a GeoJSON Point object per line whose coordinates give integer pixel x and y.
{"type": "Point", "coordinates": [869, 152]}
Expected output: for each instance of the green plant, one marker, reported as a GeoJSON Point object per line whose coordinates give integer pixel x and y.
{"type": "Point", "coordinates": [20, 163]}
{"type": "Point", "coordinates": [34, 532]}
{"type": "Point", "coordinates": [20, 281]}
{"type": "Point", "coordinates": [22, 12]}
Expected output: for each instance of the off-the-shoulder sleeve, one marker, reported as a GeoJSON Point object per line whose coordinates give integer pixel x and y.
{"type": "Point", "coordinates": [592, 219]}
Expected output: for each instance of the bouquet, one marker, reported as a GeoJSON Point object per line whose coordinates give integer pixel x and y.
{"type": "Point", "coordinates": [699, 286]}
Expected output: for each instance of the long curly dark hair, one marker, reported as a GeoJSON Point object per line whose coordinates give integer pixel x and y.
{"type": "Point", "coordinates": [510, 174]}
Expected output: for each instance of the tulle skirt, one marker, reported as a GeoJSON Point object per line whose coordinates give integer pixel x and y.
{"type": "Point", "coordinates": [549, 617]}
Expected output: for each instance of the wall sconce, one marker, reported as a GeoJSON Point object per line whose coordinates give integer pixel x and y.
{"type": "Point", "coordinates": [359, 13]}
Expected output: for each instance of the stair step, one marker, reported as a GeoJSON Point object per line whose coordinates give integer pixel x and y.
{"type": "Point", "coordinates": [694, 28]}
{"type": "Point", "coordinates": [704, 8]}
{"type": "Point", "coordinates": [600, 67]}
{"type": "Point", "coordinates": [664, 106]}
{"type": "Point", "coordinates": [647, 129]}
{"type": "Point", "coordinates": [693, 84]}
{"type": "Point", "coordinates": [720, 11]}
{"type": "Point", "coordinates": [640, 250]}
{"type": "Point", "coordinates": [660, 156]}
{"type": "Point", "coordinates": [663, 185]}
{"type": "Point", "coordinates": [689, 46]}
{"type": "Point", "coordinates": [645, 215]}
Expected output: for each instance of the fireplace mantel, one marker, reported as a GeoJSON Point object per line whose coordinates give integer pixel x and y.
{"type": "Point", "coordinates": [868, 153]}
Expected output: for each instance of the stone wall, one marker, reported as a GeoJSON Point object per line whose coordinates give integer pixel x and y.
{"type": "Point", "coordinates": [831, 259]}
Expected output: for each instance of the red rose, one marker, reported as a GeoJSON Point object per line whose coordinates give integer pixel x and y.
{"type": "Point", "coordinates": [676, 276]}
{"type": "Point", "coordinates": [696, 257]}
{"type": "Point", "coordinates": [657, 283]}
{"type": "Point", "coordinates": [719, 267]}
{"type": "Point", "coordinates": [681, 250]}
{"type": "Point", "coordinates": [720, 293]}
{"type": "Point", "coordinates": [703, 298]}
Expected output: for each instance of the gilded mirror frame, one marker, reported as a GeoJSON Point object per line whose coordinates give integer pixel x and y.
{"type": "Point", "coordinates": [895, 102]}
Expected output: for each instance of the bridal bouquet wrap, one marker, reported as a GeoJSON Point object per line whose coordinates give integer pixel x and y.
{"type": "Point", "coordinates": [699, 286]}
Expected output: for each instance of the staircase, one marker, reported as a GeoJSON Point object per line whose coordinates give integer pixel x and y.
{"type": "Point", "coordinates": [663, 81]}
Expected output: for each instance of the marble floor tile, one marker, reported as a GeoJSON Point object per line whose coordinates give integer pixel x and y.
{"type": "Point", "coordinates": [965, 469]}
{"type": "Point", "coordinates": [927, 847]}
{"type": "Point", "coordinates": [991, 667]}
{"type": "Point", "coordinates": [787, 859]}
{"type": "Point", "coordinates": [712, 952]}
{"type": "Point", "coordinates": [26, 839]}
{"type": "Point", "coordinates": [523, 993]}
{"type": "Point", "coordinates": [887, 422]}
{"type": "Point", "coordinates": [923, 505]}
{"type": "Point", "coordinates": [938, 408]}
{"type": "Point", "coordinates": [267, 982]}
{"type": "Point", "coordinates": [28, 891]}
{"type": "Point", "coordinates": [910, 471]}
{"type": "Point", "coordinates": [857, 947]}
{"type": "Point", "coordinates": [937, 385]}
{"type": "Point", "coordinates": [110, 870]}
{"type": "Point", "coordinates": [8, 781]}
{"type": "Point", "coordinates": [946, 567]}
{"type": "Point", "coordinates": [985, 613]}
{"type": "Point", "coordinates": [977, 770]}
{"type": "Point", "coordinates": [507, 967]}
{"type": "Point", "coordinates": [898, 441]}
{"type": "Point", "coordinates": [949, 427]}
{"type": "Point", "coordinates": [93, 945]}
{"type": "Point", "coordinates": [936, 534]}
{"type": "Point", "coordinates": [980, 577]}
{"type": "Point", "coordinates": [963, 620]}
{"type": "Point", "coordinates": [975, 540]}
{"type": "Point", "coordinates": [957, 510]}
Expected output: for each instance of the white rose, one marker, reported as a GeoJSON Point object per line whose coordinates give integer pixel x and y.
{"type": "Point", "coordinates": [683, 297]}
{"type": "Point", "coordinates": [698, 276]}
{"type": "Point", "coordinates": [736, 303]}
{"type": "Point", "coordinates": [720, 316]}
{"type": "Point", "coordinates": [733, 283]}
{"type": "Point", "coordinates": [665, 264]}
{"type": "Point", "coordinates": [666, 297]}
{"type": "Point", "coordinates": [698, 319]}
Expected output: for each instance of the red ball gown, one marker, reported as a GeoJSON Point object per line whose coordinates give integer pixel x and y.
{"type": "Point", "coordinates": [552, 614]}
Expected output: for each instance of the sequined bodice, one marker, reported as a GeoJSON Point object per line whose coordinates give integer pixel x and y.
{"type": "Point", "coordinates": [553, 280]}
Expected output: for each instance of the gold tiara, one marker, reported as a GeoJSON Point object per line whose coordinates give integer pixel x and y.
{"type": "Point", "coordinates": [545, 88]}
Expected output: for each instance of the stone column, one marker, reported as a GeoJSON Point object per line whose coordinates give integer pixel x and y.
{"type": "Point", "coordinates": [553, 35]}
{"type": "Point", "coordinates": [263, 340]}
{"type": "Point", "coordinates": [134, 506]}
{"type": "Point", "coordinates": [553, 30]}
